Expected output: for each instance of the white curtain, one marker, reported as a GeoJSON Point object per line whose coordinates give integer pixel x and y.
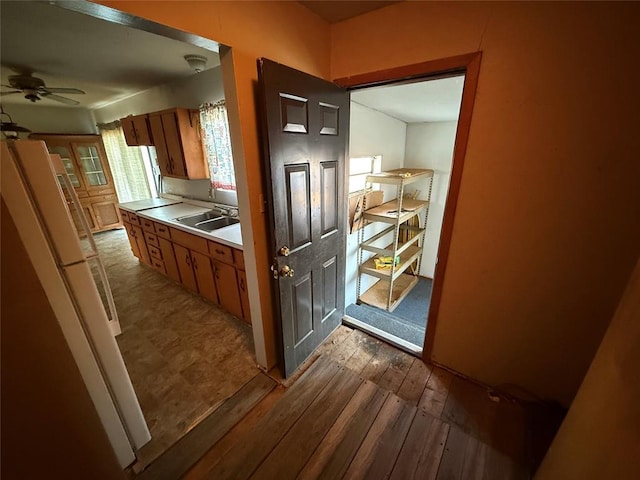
{"type": "Point", "coordinates": [217, 145]}
{"type": "Point", "coordinates": [127, 164]}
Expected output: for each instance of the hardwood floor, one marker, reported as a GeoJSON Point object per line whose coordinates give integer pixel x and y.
{"type": "Point", "coordinates": [184, 355]}
{"type": "Point", "coordinates": [363, 409]}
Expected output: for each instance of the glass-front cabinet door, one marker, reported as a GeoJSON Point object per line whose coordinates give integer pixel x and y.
{"type": "Point", "coordinates": [91, 160]}
{"type": "Point", "coordinates": [69, 166]}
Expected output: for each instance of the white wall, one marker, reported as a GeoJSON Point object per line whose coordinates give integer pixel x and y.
{"type": "Point", "coordinates": [430, 145]}
{"type": "Point", "coordinates": [371, 133]}
{"type": "Point", "coordinates": [46, 119]}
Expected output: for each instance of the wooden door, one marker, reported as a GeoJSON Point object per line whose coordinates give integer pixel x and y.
{"type": "Point", "coordinates": [169, 258]}
{"type": "Point", "coordinates": [89, 214]}
{"type": "Point", "coordinates": [228, 288]}
{"type": "Point", "coordinates": [141, 129]}
{"type": "Point", "coordinates": [157, 132]}
{"type": "Point", "coordinates": [174, 145]}
{"type": "Point", "coordinates": [306, 133]}
{"type": "Point", "coordinates": [106, 214]}
{"type": "Point", "coordinates": [142, 245]}
{"type": "Point", "coordinates": [129, 131]}
{"type": "Point", "coordinates": [204, 276]}
{"type": "Point", "coordinates": [92, 160]}
{"type": "Point", "coordinates": [132, 239]}
{"type": "Point", "coordinates": [183, 259]}
{"type": "Point", "coordinates": [244, 296]}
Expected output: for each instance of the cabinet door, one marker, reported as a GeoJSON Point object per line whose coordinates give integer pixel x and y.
{"type": "Point", "coordinates": [174, 145]}
{"type": "Point", "coordinates": [89, 214]}
{"type": "Point", "coordinates": [142, 246]}
{"type": "Point", "coordinates": [106, 214]}
{"type": "Point", "coordinates": [132, 239]}
{"type": "Point", "coordinates": [155, 123]}
{"type": "Point", "coordinates": [204, 276]}
{"type": "Point", "coordinates": [69, 165]}
{"type": "Point", "coordinates": [228, 288]}
{"type": "Point", "coordinates": [244, 295]}
{"type": "Point", "coordinates": [141, 128]}
{"type": "Point", "coordinates": [92, 163]}
{"type": "Point", "coordinates": [129, 131]}
{"type": "Point", "coordinates": [168, 255]}
{"type": "Point", "coordinates": [183, 259]}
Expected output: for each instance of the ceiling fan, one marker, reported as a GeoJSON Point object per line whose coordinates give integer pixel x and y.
{"type": "Point", "coordinates": [34, 89]}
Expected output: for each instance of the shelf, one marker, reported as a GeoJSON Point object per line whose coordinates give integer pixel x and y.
{"type": "Point", "coordinates": [388, 212]}
{"type": "Point", "coordinates": [400, 175]}
{"type": "Point", "coordinates": [388, 250]}
{"type": "Point", "coordinates": [407, 257]}
{"type": "Point", "coordinates": [378, 294]}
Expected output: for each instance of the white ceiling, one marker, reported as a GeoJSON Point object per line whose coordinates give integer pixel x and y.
{"type": "Point", "coordinates": [428, 101]}
{"type": "Point", "coordinates": [68, 49]}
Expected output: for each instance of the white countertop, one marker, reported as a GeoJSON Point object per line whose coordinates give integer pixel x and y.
{"type": "Point", "coordinates": [230, 236]}
{"type": "Point", "coordinates": [139, 205]}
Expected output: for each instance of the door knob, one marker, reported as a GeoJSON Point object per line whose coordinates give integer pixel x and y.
{"type": "Point", "coordinates": [286, 271]}
{"type": "Point", "coordinates": [284, 251]}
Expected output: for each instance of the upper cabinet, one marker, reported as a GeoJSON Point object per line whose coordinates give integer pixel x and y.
{"type": "Point", "coordinates": [136, 130]}
{"type": "Point", "coordinates": [176, 136]}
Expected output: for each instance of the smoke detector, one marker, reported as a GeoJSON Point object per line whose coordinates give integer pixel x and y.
{"type": "Point", "coordinates": [196, 62]}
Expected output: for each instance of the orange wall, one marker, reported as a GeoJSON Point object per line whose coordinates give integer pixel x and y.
{"type": "Point", "coordinates": [600, 436]}
{"type": "Point", "coordinates": [547, 229]}
{"type": "Point", "coordinates": [50, 428]}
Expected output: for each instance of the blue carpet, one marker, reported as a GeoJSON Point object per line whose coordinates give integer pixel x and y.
{"type": "Point", "coordinates": [408, 321]}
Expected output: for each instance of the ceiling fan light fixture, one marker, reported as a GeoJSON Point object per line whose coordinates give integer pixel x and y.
{"type": "Point", "coordinates": [196, 62]}
{"type": "Point", "coordinates": [10, 129]}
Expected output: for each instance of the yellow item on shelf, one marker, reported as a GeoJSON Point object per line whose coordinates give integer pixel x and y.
{"type": "Point", "coordinates": [384, 263]}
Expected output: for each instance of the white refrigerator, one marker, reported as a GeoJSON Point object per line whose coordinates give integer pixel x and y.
{"type": "Point", "coordinates": [40, 199]}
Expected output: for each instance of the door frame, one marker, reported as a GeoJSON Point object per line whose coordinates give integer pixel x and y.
{"type": "Point", "coordinates": [469, 64]}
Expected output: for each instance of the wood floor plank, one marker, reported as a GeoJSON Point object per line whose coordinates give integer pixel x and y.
{"type": "Point", "coordinates": [436, 391]}
{"type": "Point", "coordinates": [374, 370]}
{"type": "Point", "coordinates": [183, 454]}
{"type": "Point", "coordinates": [366, 348]}
{"type": "Point", "coordinates": [452, 464]}
{"type": "Point", "coordinates": [334, 454]}
{"type": "Point", "coordinates": [415, 382]}
{"type": "Point", "coordinates": [420, 456]}
{"type": "Point", "coordinates": [219, 450]}
{"type": "Point", "coordinates": [377, 455]}
{"type": "Point", "coordinates": [246, 455]}
{"type": "Point", "coordinates": [307, 433]}
{"type": "Point", "coordinates": [396, 372]}
{"type": "Point", "coordinates": [334, 340]}
{"type": "Point", "coordinates": [343, 352]}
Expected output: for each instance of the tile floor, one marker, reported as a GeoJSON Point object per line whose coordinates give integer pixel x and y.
{"type": "Point", "coordinates": [184, 355]}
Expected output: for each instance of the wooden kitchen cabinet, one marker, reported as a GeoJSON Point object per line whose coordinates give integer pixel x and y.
{"type": "Point", "coordinates": [85, 161]}
{"type": "Point", "coordinates": [136, 130]}
{"type": "Point", "coordinates": [244, 296]}
{"type": "Point", "coordinates": [137, 242]}
{"type": "Point", "coordinates": [204, 276]}
{"type": "Point", "coordinates": [176, 136]}
{"type": "Point", "coordinates": [183, 259]}
{"type": "Point", "coordinates": [169, 259]}
{"type": "Point", "coordinates": [228, 292]}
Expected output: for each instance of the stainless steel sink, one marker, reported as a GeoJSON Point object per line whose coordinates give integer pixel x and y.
{"type": "Point", "coordinates": [208, 221]}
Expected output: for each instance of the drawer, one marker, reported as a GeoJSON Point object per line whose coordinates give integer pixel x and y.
{"type": "Point", "coordinates": [162, 231]}
{"type": "Point", "coordinates": [125, 215]}
{"type": "Point", "coordinates": [147, 225]}
{"type": "Point", "coordinates": [192, 242]}
{"type": "Point", "coordinates": [155, 252]}
{"type": "Point", "coordinates": [103, 198]}
{"type": "Point", "coordinates": [158, 265]}
{"type": "Point", "coordinates": [238, 259]}
{"type": "Point", "coordinates": [152, 239]}
{"type": "Point", "coordinates": [102, 191]}
{"type": "Point", "coordinates": [133, 218]}
{"type": "Point", "coordinates": [221, 252]}
{"type": "Point", "coordinates": [82, 194]}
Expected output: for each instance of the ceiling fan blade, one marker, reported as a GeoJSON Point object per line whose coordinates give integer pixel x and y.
{"type": "Point", "coordinates": [62, 90]}
{"type": "Point", "coordinates": [58, 98]}
{"type": "Point", "coordinates": [9, 93]}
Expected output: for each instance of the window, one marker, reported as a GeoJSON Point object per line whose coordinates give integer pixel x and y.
{"type": "Point", "coordinates": [217, 145]}
{"type": "Point", "coordinates": [359, 168]}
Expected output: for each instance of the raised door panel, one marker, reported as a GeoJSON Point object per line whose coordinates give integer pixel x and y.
{"type": "Point", "coordinates": [174, 145]}
{"type": "Point", "coordinates": [228, 288]}
{"type": "Point", "coordinates": [169, 257]}
{"type": "Point", "coordinates": [191, 143]}
{"type": "Point", "coordinates": [204, 276]}
{"type": "Point", "coordinates": [89, 214]}
{"type": "Point", "coordinates": [106, 214]}
{"type": "Point", "coordinates": [142, 246]}
{"type": "Point", "coordinates": [129, 131]}
{"type": "Point", "coordinates": [157, 132]}
{"type": "Point", "coordinates": [93, 164]}
{"type": "Point", "coordinates": [244, 295]}
{"type": "Point", "coordinates": [183, 259]}
{"type": "Point", "coordinates": [132, 239]}
{"type": "Point", "coordinates": [141, 128]}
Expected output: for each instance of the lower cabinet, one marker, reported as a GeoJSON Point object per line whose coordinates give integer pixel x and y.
{"type": "Point", "coordinates": [210, 269]}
